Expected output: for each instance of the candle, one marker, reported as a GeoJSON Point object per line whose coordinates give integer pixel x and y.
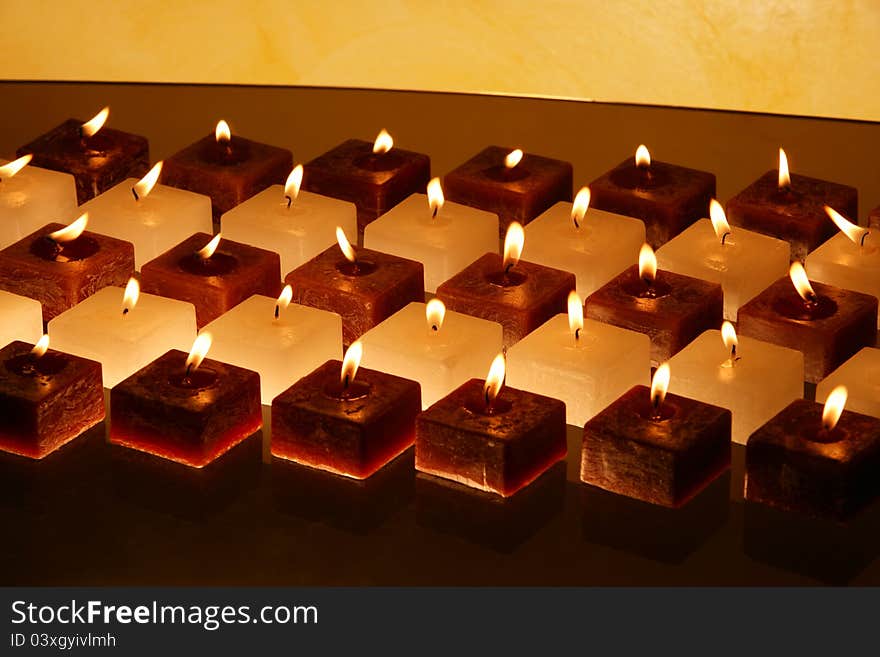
{"type": "Point", "coordinates": [29, 195]}
{"type": "Point", "coordinates": [754, 379]}
{"type": "Point", "coordinates": [280, 341]}
{"type": "Point", "coordinates": [123, 329]}
{"type": "Point", "coordinates": [47, 398]}
{"type": "Point", "coordinates": [850, 259]}
{"type": "Point", "coordinates": [656, 447]}
{"type": "Point", "coordinates": [667, 197]}
{"type": "Point", "coordinates": [672, 309]}
{"type": "Point", "coordinates": [826, 323]}
{"type": "Point", "coordinates": [98, 157]}
{"type": "Point", "coordinates": [790, 207]}
{"type": "Point", "coordinates": [743, 262]}
{"type": "Point", "coordinates": [874, 218]}
{"type": "Point", "coordinates": [586, 364]}
{"type": "Point", "coordinates": [861, 376]}
{"type": "Point", "coordinates": [490, 437]}
{"type": "Point", "coordinates": [595, 246]}
{"type": "Point", "coordinates": [361, 285]}
{"type": "Point", "coordinates": [436, 347]}
{"type": "Point", "coordinates": [514, 185]}
{"type": "Point", "coordinates": [22, 318]}
{"type": "Point", "coordinates": [517, 294]}
{"type": "Point", "coordinates": [186, 408]}
{"type": "Point", "coordinates": [59, 265]}
{"type": "Point", "coordinates": [297, 224]}
{"type": "Point", "coordinates": [375, 177]}
{"type": "Point", "coordinates": [213, 274]}
{"type": "Point", "coordinates": [815, 459]}
{"type": "Point", "coordinates": [345, 420]}
{"type": "Point", "coordinates": [229, 169]}
{"type": "Point", "coordinates": [444, 237]}
{"type": "Point", "coordinates": [152, 217]}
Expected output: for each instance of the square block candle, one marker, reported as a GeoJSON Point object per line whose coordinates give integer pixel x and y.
{"type": "Point", "coordinates": [297, 224]}
{"type": "Point", "coordinates": [375, 177]}
{"type": "Point", "coordinates": [790, 207]}
{"type": "Point", "coordinates": [660, 451]}
{"type": "Point", "coordinates": [439, 349]}
{"type": "Point", "coordinates": [187, 409]}
{"type": "Point", "coordinates": [47, 398]}
{"type": "Point", "coordinates": [21, 318]}
{"type": "Point", "coordinates": [754, 379]}
{"type": "Point", "coordinates": [585, 364]}
{"type": "Point", "coordinates": [29, 196]}
{"type": "Point", "coordinates": [345, 420]}
{"type": "Point", "coordinates": [152, 217]}
{"type": "Point", "coordinates": [828, 324]}
{"type": "Point", "coordinates": [667, 197]}
{"type": "Point", "coordinates": [492, 439]}
{"type": "Point", "coordinates": [671, 309]}
{"type": "Point", "coordinates": [97, 157]}
{"type": "Point", "coordinates": [515, 186]}
{"type": "Point", "coordinates": [361, 285]}
{"type": "Point", "coordinates": [595, 246]}
{"type": "Point", "coordinates": [227, 168]}
{"type": "Point", "coordinates": [59, 265]}
{"type": "Point", "coordinates": [213, 274]}
{"type": "Point", "coordinates": [444, 237]}
{"type": "Point", "coordinates": [281, 341]}
{"type": "Point", "coordinates": [861, 376]}
{"type": "Point", "coordinates": [820, 461]}
{"type": "Point", "coordinates": [743, 262]}
{"type": "Point", "coordinates": [123, 329]}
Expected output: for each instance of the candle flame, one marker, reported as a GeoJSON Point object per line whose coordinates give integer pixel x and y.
{"type": "Point", "coordinates": [494, 379]}
{"type": "Point", "coordinates": [647, 263]}
{"type": "Point", "coordinates": [660, 384]}
{"type": "Point", "coordinates": [580, 206]}
{"type": "Point", "coordinates": [719, 220]}
{"type": "Point", "coordinates": [575, 314]}
{"type": "Point", "coordinates": [728, 335]}
{"type": "Point", "coordinates": [294, 182]}
{"type": "Point", "coordinates": [351, 361]}
{"type": "Point", "coordinates": [784, 176]}
{"type": "Point", "coordinates": [383, 142]}
{"type": "Point", "coordinates": [435, 313]}
{"type": "Point", "coordinates": [199, 350]}
{"type": "Point", "coordinates": [11, 168]}
{"type": "Point", "coordinates": [513, 158]}
{"type": "Point", "coordinates": [435, 196]}
{"type": "Point", "coordinates": [346, 247]}
{"type": "Point", "coordinates": [798, 276]}
{"type": "Point", "coordinates": [833, 409]}
{"type": "Point", "coordinates": [145, 185]}
{"type": "Point", "coordinates": [72, 230]}
{"type": "Point", "coordinates": [90, 128]}
{"type": "Point", "coordinates": [41, 347]}
{"type": "Point", "coordinates": [854, 232]}
{"type": "Point", "coordinates": [131, 295]}
{"type": "Point", "coordinates": [513, 244]}
{"type": "Point", "coordinates": [643, 157]}
{"type": "Point", "coordinates": [208, 250]}
{"type": "Point", "coordinates": [284, 300]}
{"type": "Point", "coordinates": [222, 131]}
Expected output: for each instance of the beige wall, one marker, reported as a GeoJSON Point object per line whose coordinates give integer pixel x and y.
{"type": "Point", "coordinates": [813, 57]}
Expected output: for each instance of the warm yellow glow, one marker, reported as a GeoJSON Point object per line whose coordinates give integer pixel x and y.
{"type": "Point", "coordinates": [643, 156]}
{"type": "Point", "coordinates": [580, 206]}
{"type": "Point", "coordinates": [513, 244]}
{"type": "Point", "coordinates": [575, 314]}
{"type": "Point", "coordinates": [494, 379]}
{"type": "Point", "coordinates": [801, 283]}
{"type": "Point", "coordinates": [660, 384]}
{"type": "Point", "coordinates": [90, 128]}
{"type": "Point", "coordinates": [11, 168]}
{"type": "Point", "coordinates": [145, 185]}
{"type": "Point", "coordinates": [131, 295]}
{"type": "Point", "coordinates": [351, 361]}
{"type": "Point", "coordinates": [728, 335]}
{"type": "Point", "coordinates": [719, 220]}
{"type": "Point", "coordinates": [72, 230]}
{"type": "Point", "coordinates": [513, 158]}
{"type": "Point", "coordinates": [199, 350]}
{"type": "Point", "coordinates": [833, 409]}
{"type": "Point", "coordinates": [345, 245]}
{"type": "Point", "coordinates": [208, 250]}
{"type": "Point", "coordinates": [435, 313]}
{"type": "Point", "coordinates": [647, 263]}
{"type": "Point", "coordinates": [383, 142]}
{"type": "Point", "coordinates": [852, 231]}
{"type": "Point", "coordinates": [222, 131]}
{"type": "Point", "coordinates": [283, 300]}
{"type": "Point", "coordinates": [42, 346]}
{"type": "Point", "coordinates": [784, 176]}
{"type": "Point", "coordinates": [294, 182]}
{"type": "Point", "coordinates": [435, 196]}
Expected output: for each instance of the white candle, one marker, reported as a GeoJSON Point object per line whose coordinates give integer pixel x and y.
{"type": "Point", "coordinates": [31, 197]}
{"type": "Point", "coordinates": [281, 349]}
{"type": "Point", "coordinates": [21, 318]}
{"type": "Point", "coordinates": [152, 217]}
{"type": "Point", "coordinates": [440, 359]}
{"type": "Point", "coordinates": [755, 382]}
{"type": "Point", "coordinates": [861, 376]}
{"type": "Point", "coordinates": [592, 244]}
{"type": "Point", "coordinates": [445, 242]}
{"type": "Point", "coordinates": [124, 329]}
{"type": "Point", "coordinates": [296, 224]}
{"type": "Point", "coordinates": [743, 262]}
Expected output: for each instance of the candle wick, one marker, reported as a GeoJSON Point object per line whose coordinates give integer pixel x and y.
{"type": "Point", "coordinates": [345, 381]}
{"type": "Point", "coordinates": [864, 235]}
{"type": "Point", "coordinates": [125, 311]}
{"type": "Point", "coordinates": [577, 334]}
{"type": "Point", "coordinates": [135, 194]}
{"type": "Point", "coordinates": [575, 220]}
{"type": "Point", "coordinates": [188, 372]}
{"type": "Point", "coordinates": [434, 327]}
{"type": "Point", "coordinates": [436, 210]}
{"type": "Point", "coordinates": [507, 268]}
{"type": "Point", "coordinates": [724, 237]}
{"type": "Point", "coordinates": [277, 310]}
{"type": "Point", "coordinates": [289, 201]}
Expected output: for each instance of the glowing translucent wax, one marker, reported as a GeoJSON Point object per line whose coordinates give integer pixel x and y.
{"type": "Point", "coordinates": [297, 233]}
{"type": "Point", "coordinates": [587, 375]}
{"type": "Point", "coordinates": [603, 246]}
{"type": "Point", "coordinates": [444, 244]}
{"type": "Point", "coordinates": [21, 318]}
{"type": "Point", "coordinates": [861, 376]}
{"type": "Point", "coordinates": [440, 360]}
{"type": "Point", "coordinates": [843, 263]}
{"type": "Point", "coordinates": [153, 223]}
{"type": "Point", "coordinates": [97, 329]}
{"type": "Point", "coordinates": [280, 350]}
{"type": "Point", "coordinates": [745, 265]}
{"type": "Point", "coordinates": [763, 381]}
{"type": "Point", "coordinates": [32, 197]}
